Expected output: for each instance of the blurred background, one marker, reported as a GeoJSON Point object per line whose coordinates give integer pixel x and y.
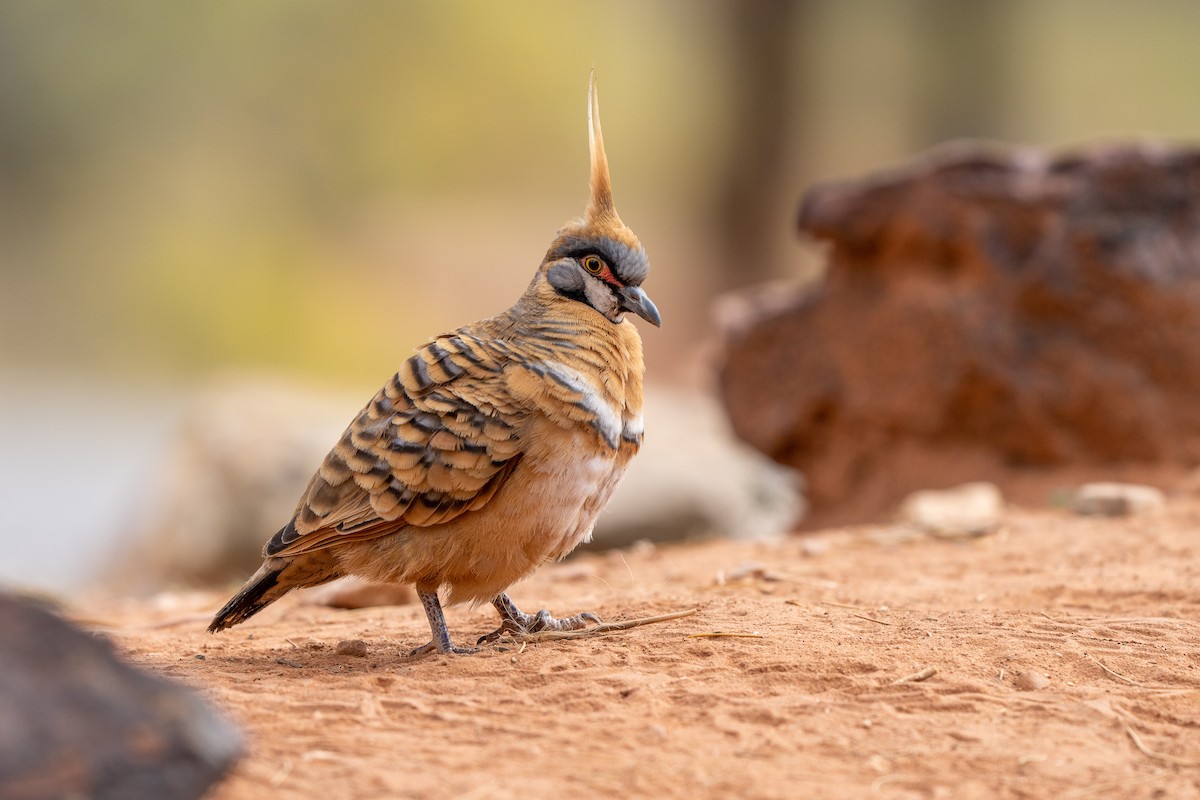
{"type": "Point", "coordinates": [296, 194]}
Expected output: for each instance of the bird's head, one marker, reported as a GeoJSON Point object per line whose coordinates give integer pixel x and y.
{"type": "Point", "coordinates": [596, 260]}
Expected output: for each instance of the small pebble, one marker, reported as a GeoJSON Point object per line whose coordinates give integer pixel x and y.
{"type": "Point", "coordinates": [812, 547]}
{"type": "Point", "coordinates": [1029, 680]}
{"type": "Point", "coordinates": [352, 647]}
{"type": "Point", "coordinates": [973, 509]}
{"type": "Point", "coordinates": [642, 547]}
{"type": "Point", "coordinates": [1117, 499]}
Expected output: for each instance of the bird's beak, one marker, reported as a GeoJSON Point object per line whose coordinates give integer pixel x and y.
{"type": "Point", "coordinates": [635, 300]}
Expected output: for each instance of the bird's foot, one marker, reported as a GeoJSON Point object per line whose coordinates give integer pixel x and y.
{"type": "Point", "coordinates": [437, 625]}
{"type": "Point", "coordinates": [434, 647]}
{"type": "Point", "coordinates": [515, 621]}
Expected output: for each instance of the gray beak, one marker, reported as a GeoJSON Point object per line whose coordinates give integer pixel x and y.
{"type": "Point", "coordinates": [635, 300]}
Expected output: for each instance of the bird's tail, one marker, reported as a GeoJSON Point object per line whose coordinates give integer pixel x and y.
{"type": "Point", "coordinates": [259, 592]}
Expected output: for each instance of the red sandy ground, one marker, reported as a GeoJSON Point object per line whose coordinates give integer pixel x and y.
{"type": "Point", "coordinates": [1108, 610]}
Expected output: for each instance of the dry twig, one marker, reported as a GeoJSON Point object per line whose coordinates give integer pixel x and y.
{"type": "Point", "coordinates": [917, 677]}
{"type": "Point", "coordinates": [603, 627]}
{"type": "Point", "coordinates": [1113, 672]}
{"type": "Point", "coordinates": [1170, 759]}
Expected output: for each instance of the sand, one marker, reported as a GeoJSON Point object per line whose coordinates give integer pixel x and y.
{"type": "Point", "coordinates": [859, 662]}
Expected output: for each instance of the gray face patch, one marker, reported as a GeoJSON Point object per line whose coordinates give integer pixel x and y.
{"type": "Point", "coordinates": [569, 280]}
{"type": "Point", "coordinates": [566, 277]}
{"type": "Point", "coordinates": [629, 264]}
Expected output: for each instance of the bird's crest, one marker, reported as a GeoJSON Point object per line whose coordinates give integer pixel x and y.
{"type": "Point", "coordinates": [601, 202]}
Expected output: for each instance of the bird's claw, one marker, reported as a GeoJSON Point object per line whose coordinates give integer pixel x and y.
{"type": "Point", "coordinates": [432, 647]}
{"type": "Point", "coordinates": [541, 621]}
{"type": "Point", "coordinates": [506, 626]}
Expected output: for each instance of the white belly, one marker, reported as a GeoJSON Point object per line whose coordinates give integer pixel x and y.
{"type": "Point", "coordinates": [578, 491]}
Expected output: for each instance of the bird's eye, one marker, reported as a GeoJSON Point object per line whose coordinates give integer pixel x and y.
{"type": "Point", "coordinates": [593, 265]}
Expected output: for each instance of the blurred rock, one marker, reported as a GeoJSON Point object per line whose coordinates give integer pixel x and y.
{"type": "Point", "coordinates": [246, 450]}
{"type": "Point", "coordinates": [972, 509]}
{"type": "Point", "coordinates": [692, 478]}
{"type": "Point", "coordinates": [983, 311]}
{"type": "Point", "coordinates": [813, 547]}
{"type": "Point", "coordinates": [1117, 499]}
{"type": "Point", "coordinates": [77, 722]}
{"type": "Point", "coordinates": [1189, 484]}
{"type": "Point", "coordinates": [231, 477]}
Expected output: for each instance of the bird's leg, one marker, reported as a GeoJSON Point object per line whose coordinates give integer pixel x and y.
{"type": "Point", "coordinates": [437, 624]}
{"type": "Point", "coordinates": [514, 620]}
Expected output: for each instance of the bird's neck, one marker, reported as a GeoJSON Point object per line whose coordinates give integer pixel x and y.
{"type": "Point", "coordinates": [544, 325]}
{"type": "Point", "coordinates": [542, 311]}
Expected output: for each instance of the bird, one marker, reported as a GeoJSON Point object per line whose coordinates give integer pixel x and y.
{"type": "Point", "coordinates": [492, 449]}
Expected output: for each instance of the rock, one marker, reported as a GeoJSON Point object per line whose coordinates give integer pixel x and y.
{"type": "Point", "coordinates": [353, 592]}
{"type": "Point", "coordinates": [983, 312]}
{"type": "Point", "coordinates": [229, 479]}
{"type": "Point", "coordinates": [246, 450]}
{"type": "Point", "coordinates": [813, 547]}
{"type": "Point", "coordinates": [972, 509]}
{"type": "Point", "coordinates": [1190, 484]}
{"type": "Point", "coordinates": [1031, 680]}
{"type": "Point", "coordinates": [75, 721]}
{"type": "Point", "coordinates": [352, 647]}
{"type": "Point", "coordinates": [1117, 499]}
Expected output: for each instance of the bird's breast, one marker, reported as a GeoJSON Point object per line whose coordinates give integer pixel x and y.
{"type": "Point", "coordinates": [571, 481]}
{"type": "Point", "coordinates": [574, 398]}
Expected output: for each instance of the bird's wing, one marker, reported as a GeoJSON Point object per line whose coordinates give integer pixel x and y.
{"type": "Point", "coordinates": [436, 442]}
